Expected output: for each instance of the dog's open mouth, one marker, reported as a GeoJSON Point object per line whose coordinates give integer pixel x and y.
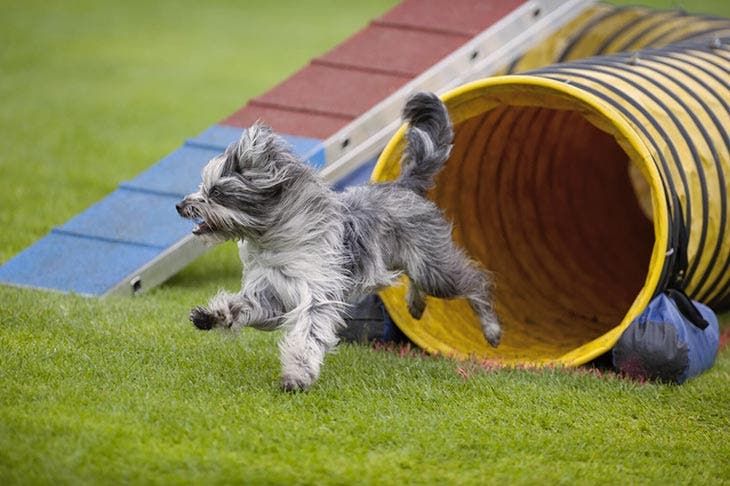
{"type": "Point", "coordinates": [202, 228]}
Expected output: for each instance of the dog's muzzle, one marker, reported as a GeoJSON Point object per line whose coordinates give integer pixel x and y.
{"type": "Point", "coordinates": [187, 210]}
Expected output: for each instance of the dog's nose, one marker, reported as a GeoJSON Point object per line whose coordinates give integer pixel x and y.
{"type": "Point", "coordinates": [179, 206]}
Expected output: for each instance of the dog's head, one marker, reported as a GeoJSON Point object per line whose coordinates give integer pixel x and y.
{"type": "Point", "coordinates": [242, 189]}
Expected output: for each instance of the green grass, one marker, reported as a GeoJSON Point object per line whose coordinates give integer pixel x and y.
{"type": "Point", "coordinates": [126, 391]}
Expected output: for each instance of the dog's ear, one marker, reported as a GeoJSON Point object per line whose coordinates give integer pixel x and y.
{"type": "Point", "coordinates": [258, 144]}
{"type": "Point", "coordinates": [231, 163]}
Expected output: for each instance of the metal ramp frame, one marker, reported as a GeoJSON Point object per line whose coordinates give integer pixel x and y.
{"type": "Point", "coordinates": [338, 113]}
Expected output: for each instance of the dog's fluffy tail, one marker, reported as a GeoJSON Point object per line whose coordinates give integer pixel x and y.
{"type": "Point", "coordinates": [429, 136]}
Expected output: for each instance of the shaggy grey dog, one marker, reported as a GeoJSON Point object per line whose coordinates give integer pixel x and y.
{"type": "Point", "coordinates": [307, 250]}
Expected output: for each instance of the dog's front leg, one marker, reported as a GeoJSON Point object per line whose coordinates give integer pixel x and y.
{"type": "Point", "coordinates": [312, 332]}
{"type": "Point", "coordinates": [217, 314]}
{"type": "Point", "coordinates": [234, 311]}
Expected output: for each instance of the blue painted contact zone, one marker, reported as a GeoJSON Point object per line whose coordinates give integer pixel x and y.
{"type": "Point", "coordinates": [72, 264]}
{"type": "Point", "coordinates": [217, 137]}
{"type": "Point", "coordinates": [176, 175]}
{"type": "Point", "coordinates": [131, 216]}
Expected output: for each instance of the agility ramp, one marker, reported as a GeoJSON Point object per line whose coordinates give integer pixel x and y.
{"type": "Point", "coordinates": [540, 190]}
{"type": "Point", "coordinates": [338, 112]}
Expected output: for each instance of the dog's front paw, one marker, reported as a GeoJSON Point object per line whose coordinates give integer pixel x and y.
{"type": "Point", "coordinates": [294, 383]}
{"type": "Point", "coordinates": [298, 379]}
{"type": "Point", "coordinates": [203, 318]}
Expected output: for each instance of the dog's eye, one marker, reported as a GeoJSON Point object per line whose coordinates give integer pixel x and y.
{"type": "Point", "coordinates": [214, 192]}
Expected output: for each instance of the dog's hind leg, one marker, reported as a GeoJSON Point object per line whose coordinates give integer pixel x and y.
{"type": "Point", "coordinates": [416, 300]}
{"type": "Point", "coordinates": [479, 295]}
{"type": "Point", "coordinates": [450, 274]}
{"type": "Point", "coordinates": [311, 335]}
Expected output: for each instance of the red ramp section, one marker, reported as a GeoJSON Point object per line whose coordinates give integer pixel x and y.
{"type": "Point", "coordinates": [338, 87]}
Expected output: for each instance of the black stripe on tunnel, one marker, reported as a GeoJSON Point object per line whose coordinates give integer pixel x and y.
{"type": "Point", "coordinates": [685, 134]}
{"type": "Point", "coordinates": [722, 132]}
{"type": "Point", "coordinates": [672, 256]}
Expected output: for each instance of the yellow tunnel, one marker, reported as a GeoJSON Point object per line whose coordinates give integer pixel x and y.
{"type": "Point", "coordinates": [586, 187]}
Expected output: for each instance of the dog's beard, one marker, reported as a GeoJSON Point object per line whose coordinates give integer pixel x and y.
{"type": "Point", "coordinates": [207, 235]}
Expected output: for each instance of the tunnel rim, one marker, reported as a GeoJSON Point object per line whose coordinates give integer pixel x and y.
{"type": "Point", "coordinates": [478, 97]}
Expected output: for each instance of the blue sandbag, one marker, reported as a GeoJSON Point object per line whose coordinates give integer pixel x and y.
{"type": "Point", "coordinates": [674, 339]}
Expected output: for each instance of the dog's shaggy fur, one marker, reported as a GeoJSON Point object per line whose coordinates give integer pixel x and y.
{"type": "Point", "coordinates": [307, 250]}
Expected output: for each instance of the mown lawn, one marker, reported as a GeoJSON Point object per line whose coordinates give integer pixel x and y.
{"type": "Point", "coordinates": [127, 391]}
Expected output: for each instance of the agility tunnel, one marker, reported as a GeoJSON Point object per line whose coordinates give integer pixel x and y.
{"type": "Point", "coordinates": [587, 188]}
{"type": "Point", "coordinates": [582, 186]}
